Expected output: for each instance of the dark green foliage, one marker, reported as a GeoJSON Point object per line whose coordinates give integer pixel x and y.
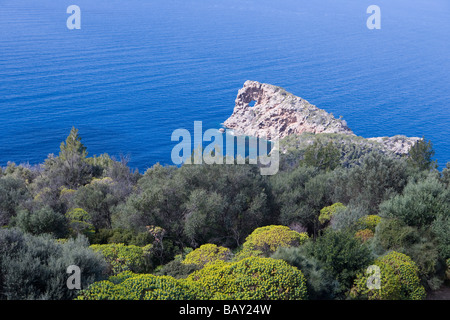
{"type": "Point", "coordinates": [421, 155]}
{"type": "Point", "coordinates": [35, 267]}
{"type": "Point", "coordinates": [322, 156]}
{"type": "Point", "coordinates": [319, 282]}
{"type": "Point", "coordinates": [42, 221]}
{"type": "Point", "coordinates": [420, 204]}
{"type": "Point", "coordinates": [378, 178]}
{"type": "Point", "coordinates": [177, 269]}
{"type": "Point", "coordinates": [441, 230]}
{"type": "Point", "coordinates": [341, 255]}
{"type": "Point", "coordinates": [125, 236]}
{"type": "Point", "coordinates": [199, 203]}
{"type": "Point", "coordinates": [13, 195]}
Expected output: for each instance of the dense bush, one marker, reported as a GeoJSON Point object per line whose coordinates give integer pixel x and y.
{"type": "Point", "coordinates": [319, 282]}
{"type": "Point", "coordinates": [419, 204]}
{"type": "Point", "coordinates": [266, 240]}
{"type": "Point", "coordinates": [207, 253]}
{"type": "Point", "coordinates": [252, 278]}
{"type": "Point", "coordinates": [41, 221]}
{"type": "Point", "coordinates": [327, 213]}
{"type": "Point", "coordinates": [399, 280]}
{"type": "Point", "coordinates": [34, 267]}
{"type": "Point", "coordinates": [369, 222]}
{"type": "Point", "coordinates": [131, 286]}
{"type": "Point", "coordinates": [341, 255]}
{"type": "Point", "coordinates": [324, 215]}
{"type": "Point", "coordinates": [123, 258]}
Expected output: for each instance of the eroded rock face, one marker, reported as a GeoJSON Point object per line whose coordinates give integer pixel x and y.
{"type": "Point", "coordinates": [275, 108]}
{"type": "Point", "coordinates": [277, 113]}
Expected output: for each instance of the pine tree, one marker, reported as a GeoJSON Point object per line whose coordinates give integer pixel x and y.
{"type": "Point", "coordinates": [421, 155]}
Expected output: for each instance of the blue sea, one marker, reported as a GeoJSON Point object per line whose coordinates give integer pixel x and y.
{"type": "Point", "coordinates": [139, 69]}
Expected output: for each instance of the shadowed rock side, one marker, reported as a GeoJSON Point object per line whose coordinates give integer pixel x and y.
{"type": "Point", "coordinates": [270, 112]}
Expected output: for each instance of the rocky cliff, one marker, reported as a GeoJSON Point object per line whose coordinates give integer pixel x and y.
{"type": "Point", "coordinates": [275, 108]}
{"type": "Point", "coordinates": [267, 111]}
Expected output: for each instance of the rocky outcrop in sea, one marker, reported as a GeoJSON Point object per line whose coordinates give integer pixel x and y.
{"type": "Point", "coordinates": [266, 111]}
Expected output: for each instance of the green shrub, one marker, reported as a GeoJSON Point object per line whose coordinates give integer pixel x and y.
{"type": "Point", "coordinates": [252, 278]}
{"type": "Point", "coordinates": [399, 280]}
{"type": "Point", "coordinates": [394, 234]}
{"type": "Point", "coordinates": [320, 284]}
{"type": "Point", "coordinates": [342, 255]}
{"type": "Point", "coordinates": [34, 267]}
{"type": "Point", "coordinates": [420, 204]}
{"type": "Point", "coordinates": [369, 222]}
{"type": "Point", "coordinates": [123, 258]}
{"type": "Point", "coordinates": [207, 253]}
{"type": "Point", "coordinates": [143, 287]}
{"type": "Point", "coordinates": [266, 240]}
{"type": "Point", "coordinates": [80, 222]}
{"type": "Point", "coordinates": [176, 269]}
{"type": "Point", "coordinates": [328, 212]}
{"type": "Point", "coordinates": [42, 221]}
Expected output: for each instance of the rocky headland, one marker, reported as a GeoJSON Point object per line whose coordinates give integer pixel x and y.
{"type": "Point", "coordinates": [270, 112]}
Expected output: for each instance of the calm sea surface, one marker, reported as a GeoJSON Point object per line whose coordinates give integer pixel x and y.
{"type": "Point", "coordinates": [139, 69]}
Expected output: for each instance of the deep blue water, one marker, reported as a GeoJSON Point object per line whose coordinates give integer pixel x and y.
{"type": "Point", "coordinates": [139, 69]}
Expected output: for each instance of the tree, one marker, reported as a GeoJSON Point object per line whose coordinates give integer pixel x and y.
{"type": "Point", "coordinates": [342, 255]}
{"type": "Point", "coordinates": [420, 203]}
{"type": "Point", "coordinates": [421, 155]}
{"type": "Point", "coordinates": [13, 195]}
{"type": "Point", "coordinates": [42, 221]}
{"type": "Point", "coordinates": [324, 157]}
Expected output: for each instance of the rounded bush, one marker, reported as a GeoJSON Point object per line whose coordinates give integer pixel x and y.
{"type": "Point", "coordinates": [369, 222]}
{"type": "Point", "coordinates": [266, 240]}
{"type": "Point", "coordinates": [207, 253]}
{"type": "Point", "coordinates": [399, 280]}
{"type": "Point", "coordinates": [252, 278]}
{"type": "Point", "coordinates": [129, 286]}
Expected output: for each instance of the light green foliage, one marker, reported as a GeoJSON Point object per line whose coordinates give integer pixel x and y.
{"type": "Point", "coordinates": [252, 278]}
{"type": "Point", "coordinates": [266, 240]}
{"type": "Point", "coordinates": [80, 222]}
{"type": "Point", "coordinates": [369, 222]}
{"type": "Point", "coordinates": [207, 253]}
{"type": "Point", "coordinates": [399, 280]}
{"type": "Point", "coordinates": [328, 212]}
{"type": "Point", "coordinates": [123, 258]}
{"type": "Point", "coordinates": [129, 286]}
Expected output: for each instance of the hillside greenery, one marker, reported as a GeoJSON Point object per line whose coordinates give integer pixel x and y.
{"type": "Point", "coordinates": [225, 231]}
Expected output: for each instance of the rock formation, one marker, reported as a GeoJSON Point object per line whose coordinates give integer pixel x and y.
{"type": "Point", "coordinates": [277, 114]}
